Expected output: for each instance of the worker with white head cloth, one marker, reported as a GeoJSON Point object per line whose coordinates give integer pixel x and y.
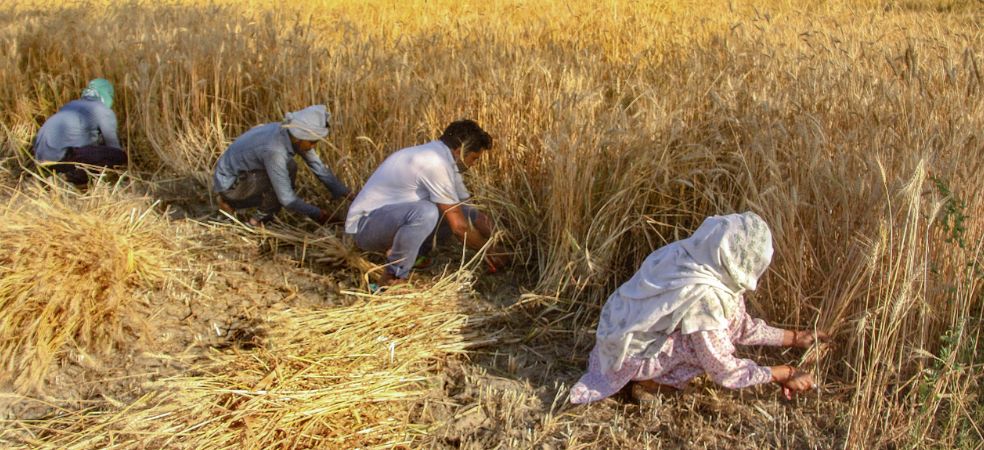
{"type": "Point", "coordinates": [258, 170]}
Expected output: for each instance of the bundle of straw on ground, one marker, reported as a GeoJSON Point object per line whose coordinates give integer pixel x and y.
{"type": "Point", "coordinates": [342, 377]}
{"type": "Point", "coordinates": [316, 247]}
{"type": "Point", "coordinates": [75, 270]}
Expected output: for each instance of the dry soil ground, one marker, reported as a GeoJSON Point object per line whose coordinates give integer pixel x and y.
{"type": "Point", "coordinates": [508, 392]}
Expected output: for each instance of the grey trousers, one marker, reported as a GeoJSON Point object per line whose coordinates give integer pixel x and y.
{"type": "Point", "coordinates": [406, 230]}
{"type": "Point", "coordinates": [253, 190]}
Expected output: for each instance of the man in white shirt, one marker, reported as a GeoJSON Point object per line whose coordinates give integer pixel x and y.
{"type": "Point", "coordinates": [400, 206]}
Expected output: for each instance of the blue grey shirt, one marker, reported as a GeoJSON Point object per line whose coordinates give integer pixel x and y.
{"type": "Point", "coordinates": [78, 124]}
{"type": "Point", "coordinates": [267, 147]}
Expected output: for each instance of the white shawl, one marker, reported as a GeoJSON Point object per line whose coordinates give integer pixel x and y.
{"type": "Point", "coordinates": [692, 285]}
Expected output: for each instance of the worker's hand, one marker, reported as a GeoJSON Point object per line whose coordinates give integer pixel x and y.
{"type": "Point", "coordinates": [792, 380]}
{"type": "Point", "coordinates": [496, 260]}
{"type": "Point", "coordinates": [493, 263]}
{"type": "Point", "coordinates": [323, 216]}
{"type": "Point", "coordinates": [799, 382]}
{"type": "Point", "coordinates": [806, 338]}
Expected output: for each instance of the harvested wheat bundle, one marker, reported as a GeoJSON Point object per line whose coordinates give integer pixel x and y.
{"type": "Point", "coordinates": [338, 378]}
{"type": "Point", "coordinates": [324, 248]}
{"type": "Point", "coordinates": [72, 268]}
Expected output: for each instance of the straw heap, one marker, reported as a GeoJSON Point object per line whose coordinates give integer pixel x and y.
{"type": "Point", "coordinates": [72, 270]}
{"type": "Point", "coordinates": [338, 378]}
{"type": "Point", "coordinates": [320, 247]}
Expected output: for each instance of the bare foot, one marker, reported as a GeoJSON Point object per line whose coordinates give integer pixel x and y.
{"type": "Point", "coordinates": [388, 279]}
{"type": "Point", "coordinates": [385, 281]}
{"type": "Point", "coordinates": [225, 207]}
{"type": "Point", "coordinates": [647, 391]}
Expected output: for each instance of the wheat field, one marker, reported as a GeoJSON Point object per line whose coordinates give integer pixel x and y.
{"type": "Point", "coordinates": [854, 128]}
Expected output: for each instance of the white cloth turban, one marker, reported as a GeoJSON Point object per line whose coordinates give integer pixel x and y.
{"type": "Point", "coordinates": [308, 124]}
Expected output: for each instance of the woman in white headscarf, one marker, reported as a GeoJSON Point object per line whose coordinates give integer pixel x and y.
{"type": "Point", "coordinates": [682, 313]}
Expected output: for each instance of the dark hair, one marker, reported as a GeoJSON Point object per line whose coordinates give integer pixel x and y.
{"type": "Point", "coordinates": [467, 135]}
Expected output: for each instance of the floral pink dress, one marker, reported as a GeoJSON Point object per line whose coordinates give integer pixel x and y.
{"type": "Point", "coordinates": [686, 356]}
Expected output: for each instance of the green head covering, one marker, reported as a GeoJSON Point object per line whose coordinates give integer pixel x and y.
{"type": "Point", "coordinates": [100, 89]}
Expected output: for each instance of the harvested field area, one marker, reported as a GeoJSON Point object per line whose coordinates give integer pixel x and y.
{"type": "Point", "coordinates": [134, 315]}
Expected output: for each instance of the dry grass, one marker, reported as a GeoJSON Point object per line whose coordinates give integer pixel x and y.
{"type": "Point", "coordinates": [325, 249]}
{"type": "Point", "coordinates": [343, 377]}
{"type": "Point", "coordinates": [76, 271]}
{"type": "Point", "coordinates": [852, 127]}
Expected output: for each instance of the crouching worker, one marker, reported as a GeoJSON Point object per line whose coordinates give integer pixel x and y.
{"type": "Point", "coordinates": [682, 314]}
{"type": "Point", "coordinates": [258, 169]}
{"type": "Point", "coordinates": [400, 206]}
{"type": "Point", "coordinates": [82, 133]}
